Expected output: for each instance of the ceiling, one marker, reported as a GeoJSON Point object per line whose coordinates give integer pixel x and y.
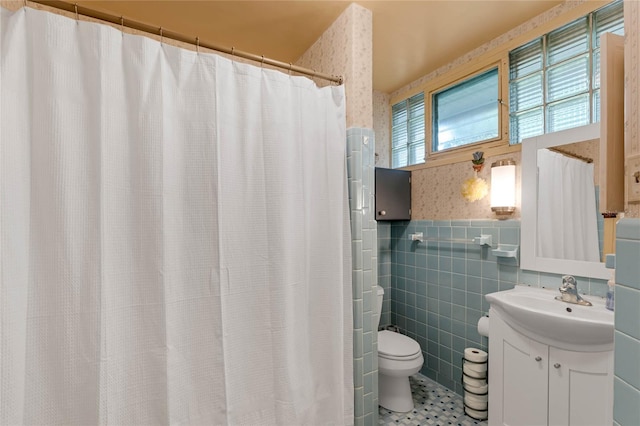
{"type": "Point", "coordinates": [410, 38]}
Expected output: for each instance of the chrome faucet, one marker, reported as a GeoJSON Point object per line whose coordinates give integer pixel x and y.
{"type": "Point", "coordinates": [569, 291]}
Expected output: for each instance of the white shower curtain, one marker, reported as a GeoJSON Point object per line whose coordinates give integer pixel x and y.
{"type": "Point", "coordinates": [174, 235]}
{"type": "Point", "coordinates": [567, 216]}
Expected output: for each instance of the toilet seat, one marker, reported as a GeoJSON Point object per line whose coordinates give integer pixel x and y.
{"type": "Point", "coordinates": [396, 346]}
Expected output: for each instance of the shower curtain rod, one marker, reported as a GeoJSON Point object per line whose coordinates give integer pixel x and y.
{"type": "Point", "coordinates": [139, 26]}
{"type": "Point", "coordinates": [571, 155]}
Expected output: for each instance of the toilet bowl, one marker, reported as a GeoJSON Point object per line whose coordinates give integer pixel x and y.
{"type": "Point", "coordinates": [399, 357]}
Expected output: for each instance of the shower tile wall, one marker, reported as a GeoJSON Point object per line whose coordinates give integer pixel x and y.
{"type": "Point", "coordinates": [626, 390]}
{"type": "Point", "coordinates": [360, 170]}
{"type": "Point", "coordinates": [438, 288]}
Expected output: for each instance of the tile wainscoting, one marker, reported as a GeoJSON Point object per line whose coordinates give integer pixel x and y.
{"type": "Point", "coordinates": [360, 171]}
{"type": "Point", "coordinates": [626, 388]}
{"type": "Point", "coordinates": [434, 291]}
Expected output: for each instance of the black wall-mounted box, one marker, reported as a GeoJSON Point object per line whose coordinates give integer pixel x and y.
{"type": "Point", "coordinates": [393, 194]}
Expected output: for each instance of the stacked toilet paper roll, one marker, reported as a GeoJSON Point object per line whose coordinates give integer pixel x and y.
{"type": "Point", "coordinates": [474, 382]}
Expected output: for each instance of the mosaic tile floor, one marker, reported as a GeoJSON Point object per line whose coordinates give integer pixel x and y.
{"type": "Point", "coordinates": [435, 405]}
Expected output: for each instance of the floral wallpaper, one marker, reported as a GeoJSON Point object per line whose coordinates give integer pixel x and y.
{"type": "Point", "coordinates": [346, 49]}
{"type": "Point", "coordinates": [382, 127]}
{"type": "Point", "coordinates": [436, 191]}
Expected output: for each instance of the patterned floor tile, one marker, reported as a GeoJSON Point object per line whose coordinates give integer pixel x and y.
{"type": "Point", "coordinates": [435, 405]}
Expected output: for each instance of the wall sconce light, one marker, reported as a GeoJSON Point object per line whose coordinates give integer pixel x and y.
{"type": "Point", "coordinates": [503, 188]}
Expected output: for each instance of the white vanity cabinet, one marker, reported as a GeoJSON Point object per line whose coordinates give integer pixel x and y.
{"type": "Point", "coordinates": [531, 383]}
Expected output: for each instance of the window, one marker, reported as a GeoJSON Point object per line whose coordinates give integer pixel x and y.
{"type": "Point", "coordinates": [467, 112]}
{"type": "Point", "coordinates": [407, 132]}
{"type": "Point", "coordinates": [554, 81]}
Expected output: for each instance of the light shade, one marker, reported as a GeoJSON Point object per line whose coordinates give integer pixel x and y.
{"type": "Point", "coordinates": [503, 187]}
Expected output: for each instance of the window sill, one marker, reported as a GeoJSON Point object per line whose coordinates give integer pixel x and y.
{"type": "Point", "coordinates": [462, 156]}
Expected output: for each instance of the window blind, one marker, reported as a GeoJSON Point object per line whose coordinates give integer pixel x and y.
{"type": "Point", "coordinates": [407, 132]}
{"type": "Point", "coordinates": [467, 112]}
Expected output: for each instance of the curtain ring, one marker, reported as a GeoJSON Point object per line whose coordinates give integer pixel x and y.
{"type": "Point", "coordinates": [122, 25]}
{"type": "Point", "coordinates": [290, 68]}
{"type": "Point", "coordinates": [197, 44]}
{"type": "Point", "coordinates": [161, 36]}
{"type": "Point", "coordinates": [75, 6]}
{"type": "Point", "coordinates": [262, 62]}
{"type": "Point", "coordinates": [232, 50]}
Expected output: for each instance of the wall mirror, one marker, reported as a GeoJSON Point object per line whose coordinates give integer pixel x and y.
{"type": "Point", "coordinates": [547, 161]}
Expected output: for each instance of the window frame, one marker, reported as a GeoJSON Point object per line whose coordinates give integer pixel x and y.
{"type": "Point", "coordinates": [465, 151]}
{"type": "Point", "coordinates": [435, 113]}
{"type": "Point", "coordinates": [468, 65]}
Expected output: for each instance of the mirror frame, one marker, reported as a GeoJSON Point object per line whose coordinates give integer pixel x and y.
{"type": "Point", "coordinates": [529, 200]}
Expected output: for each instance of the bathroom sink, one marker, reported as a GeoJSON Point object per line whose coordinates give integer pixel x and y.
{"type": "Point", "coordinates": [535, 312]}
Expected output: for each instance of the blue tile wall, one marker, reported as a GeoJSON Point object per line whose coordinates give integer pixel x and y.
{"type": "Point", "coordinates": [360, 172]}
{"type": "Point", "coordinates": [626, 411]}
{"type": "Point", "coordinates": [438, 288]}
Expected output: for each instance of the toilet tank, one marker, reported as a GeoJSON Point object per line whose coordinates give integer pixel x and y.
{"type": "Point", "coordinates": [379, 304]}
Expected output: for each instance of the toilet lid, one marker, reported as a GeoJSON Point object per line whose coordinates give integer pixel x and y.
{"type": "Point", "coordinates": [396, 345]}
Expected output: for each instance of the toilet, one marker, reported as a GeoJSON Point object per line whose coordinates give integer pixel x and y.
{"type": "Point", "coordinates": [399, 357]}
